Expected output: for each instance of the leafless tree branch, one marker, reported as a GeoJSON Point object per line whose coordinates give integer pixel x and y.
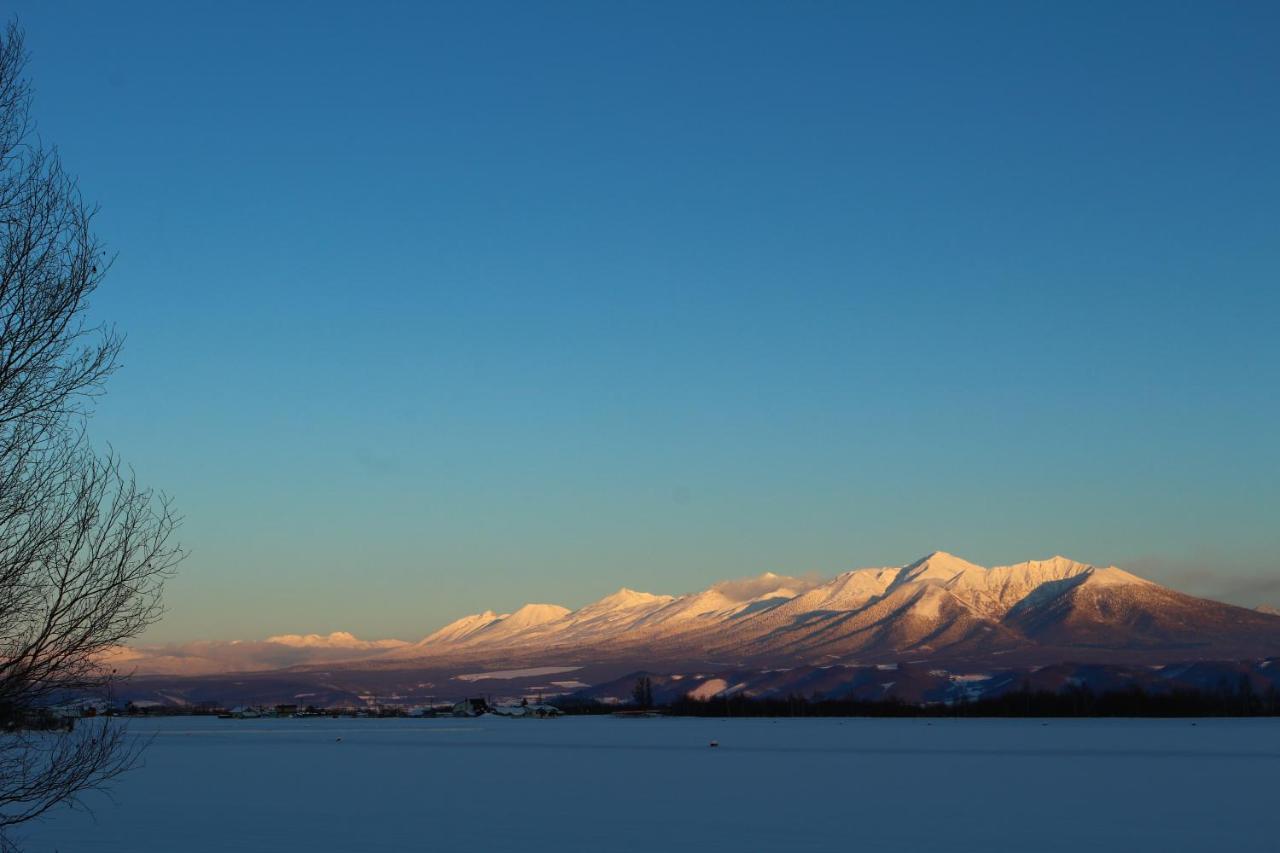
{"type": "Point", "coordinates": [84, 550]}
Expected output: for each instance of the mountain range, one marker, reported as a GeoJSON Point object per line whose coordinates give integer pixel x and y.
{"type": "Point", "coordinates": [939, 609]}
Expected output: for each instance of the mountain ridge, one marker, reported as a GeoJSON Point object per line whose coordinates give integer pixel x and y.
{"type": "Point", "coordinates": [939, 607]}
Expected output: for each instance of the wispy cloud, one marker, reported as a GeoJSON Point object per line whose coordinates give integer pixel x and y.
{"type": "Point", "coordinates": [1247, 583]}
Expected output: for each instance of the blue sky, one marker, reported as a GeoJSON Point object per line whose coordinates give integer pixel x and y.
{"type": "Point", "coordinates": [436, 309]}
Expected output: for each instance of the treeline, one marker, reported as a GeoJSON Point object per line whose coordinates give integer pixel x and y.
{"type": "Point", "coordinates": [1240, 700]}
{"type": "Point", "coordinates": [15, 717]}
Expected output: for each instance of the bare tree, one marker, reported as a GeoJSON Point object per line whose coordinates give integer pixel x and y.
{"type": "Point", "coordinates": [84, 550]}
{"type": "Point", "coordinates": [642, 693]}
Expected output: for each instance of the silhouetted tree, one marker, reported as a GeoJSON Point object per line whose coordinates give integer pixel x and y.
{"type": "Point", "coordinates": [84, 550]}
{"type": "Point", "coordinates": [642, 693]}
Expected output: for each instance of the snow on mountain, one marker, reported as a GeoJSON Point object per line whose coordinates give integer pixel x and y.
{"type": "Point", "coordinates": [1112, 608]}
{"type": "Point", "coordinates": [611, 615]}
{"type": "Point", "coordinates": [460, 629]}
{"type": "Point", "coordinates": [207, 657]}
{"type": "Point", "coordinates": [923, 616]}
{"type": "Point", "coordinates": [940, 607]}
{"type": "Point", "coordinates": [335, 640]}
{"type": "Point", "coordinates": [938, 568]}
{"type": "Point", "coordinates": [811, 611]}
{"type": "Point", "coordinates": [992, 592]}
{"type": "Point", "coordinates": [514, 625]}
{"type": "Point", "coordinates": [724, 601]}
{"type": "Point", "coordinates": [535, 614]}
{"type": "Point", "coordinates": [546, 622]}
{"type": "Point", "coordinates": [845, 592]}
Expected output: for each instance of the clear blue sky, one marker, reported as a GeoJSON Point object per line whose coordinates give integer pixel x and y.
{"type": "Point", "coordinates": [436, 309]}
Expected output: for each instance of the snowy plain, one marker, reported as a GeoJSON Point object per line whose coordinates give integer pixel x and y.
{"type": "Point", "coordinates": [612, 784]}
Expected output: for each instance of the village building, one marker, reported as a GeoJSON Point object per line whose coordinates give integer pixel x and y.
{"type": "Point", "coordinates": [470, 708]}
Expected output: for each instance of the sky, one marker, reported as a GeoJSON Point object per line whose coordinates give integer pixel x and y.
{"type": "Point", "coordinates": [438, 308]}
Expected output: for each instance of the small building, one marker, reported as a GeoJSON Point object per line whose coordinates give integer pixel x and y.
{"type": "Point", "coordinates": [527, 709]}
{"type": "Point", "coordinates": [68, 711]}
{"type": "Point", "coordinates": [471, 708]}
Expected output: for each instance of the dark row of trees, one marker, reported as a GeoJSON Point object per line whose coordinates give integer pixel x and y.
{"type": "Point", "coordinates": [1227, 699]}
{"type": "Point", "coordinates": [1235, 701]}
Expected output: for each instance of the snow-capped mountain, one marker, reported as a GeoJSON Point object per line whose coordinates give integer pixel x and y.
{"type": "Point", "coordinates": [334, 640]}
{"type": "Point", "coordinates": [938, 607]}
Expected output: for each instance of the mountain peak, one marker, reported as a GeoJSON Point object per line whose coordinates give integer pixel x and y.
{"type": "Point", "coordinates": [626, 597]}
{"type": "Point", "coordinates": [1059, 560]}
{"type": "Point", "coordinates": [534, 614]}
{"type": "Point", "coordinates": [943, 559]}
{"type": "Point", "coordinates": [938, 566]}
{"type": "Point", "coordinates": [459, 629]}
{"type": "Point", "coordinates": [626, 592]}
{"type": "Point", "coordinates": [1111, 576]}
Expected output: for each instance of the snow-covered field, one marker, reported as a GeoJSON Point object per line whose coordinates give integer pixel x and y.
{"type": "Point", "coordinates": [608, 784]}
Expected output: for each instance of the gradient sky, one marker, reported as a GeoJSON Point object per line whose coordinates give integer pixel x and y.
{"type": "Point", "coordinates": [437, 309]}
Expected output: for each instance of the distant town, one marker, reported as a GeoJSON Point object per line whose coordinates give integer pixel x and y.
{"type": "Point", "coordinates": [64, 715]}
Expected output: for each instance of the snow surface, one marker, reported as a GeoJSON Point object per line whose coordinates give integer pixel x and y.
{"type": "Point", "coordinates": [709, 689]}
{"type": "Point", "coordinates": [604, 783]}
{"type": "Point", "coordinates": [516, 673]}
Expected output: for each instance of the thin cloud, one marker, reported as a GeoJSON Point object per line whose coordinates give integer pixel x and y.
{"type": "Point", "coordinates": [1247, 584]}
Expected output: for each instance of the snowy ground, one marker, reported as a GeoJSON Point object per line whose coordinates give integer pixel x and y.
{"type": "Point", "coordinates": [606, 784]}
